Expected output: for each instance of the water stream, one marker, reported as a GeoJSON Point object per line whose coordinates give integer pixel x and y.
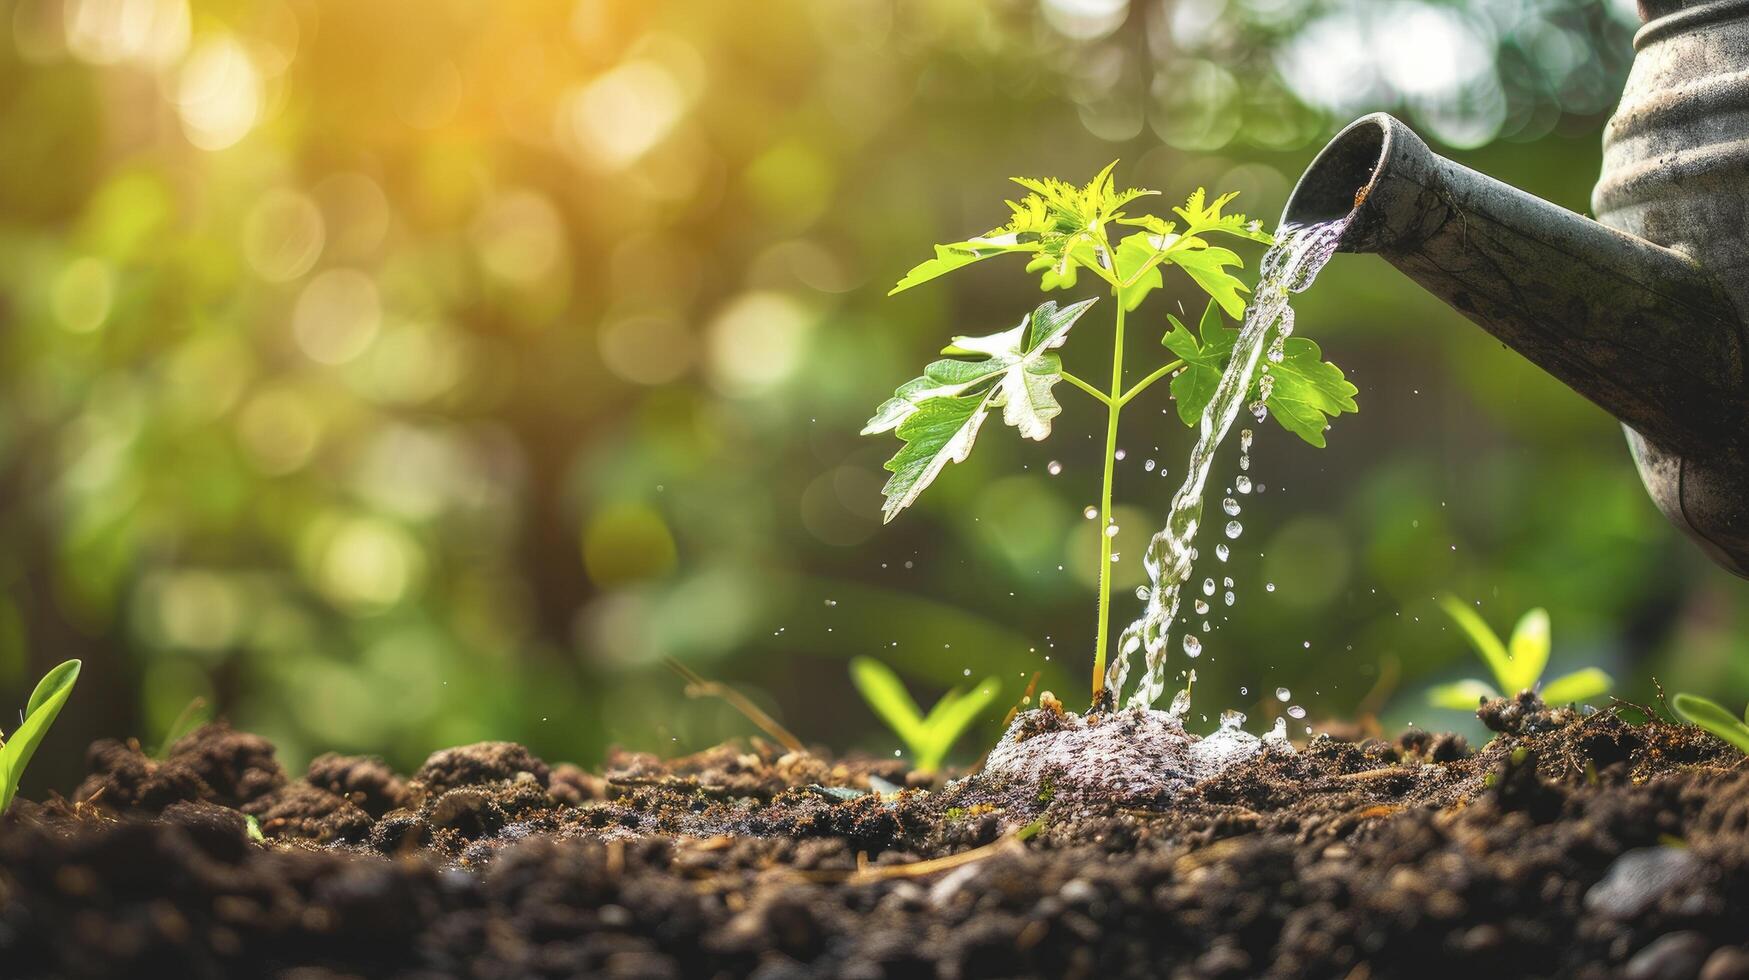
{"type": "Point", "coordinates": [1288, 267]}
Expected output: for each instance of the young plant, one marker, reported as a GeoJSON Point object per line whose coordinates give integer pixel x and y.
{"type": "Point", "coordinates": [39, 713]}
{"type": "Point", "coordinates": [193, 715]}
{"type": "Point", "coordinates": [927, 737]}
{"type": "Point", "coordinates": [1706, 714]}
{"type": "Point", "coordinates": [1516, 665]}
{"type": "Point", "coordinates": [1065, 230]}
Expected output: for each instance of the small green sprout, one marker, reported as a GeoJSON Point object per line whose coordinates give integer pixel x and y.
{"type": "Point", "coordinates": [39, 713]}
{"type": "Point", "coordinates": [927, 737]}
{"type": "Point", "coordinates": [193, 715]}
{"type": "Point", "coordinates": [253, 825]}
{"type": "Point", "coordinates": [1706, 714]}
{"type": "Point", "coordinates": [1516, 665]}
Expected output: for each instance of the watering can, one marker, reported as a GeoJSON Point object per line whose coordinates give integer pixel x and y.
{"type": "Point", "coordinates": [1642, 310]}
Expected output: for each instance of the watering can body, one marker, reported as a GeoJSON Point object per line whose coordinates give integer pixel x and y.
{"type": "Point", "coordinates": [1641, 310]}
{"type": "Point", "coordinates": [1676, 172]}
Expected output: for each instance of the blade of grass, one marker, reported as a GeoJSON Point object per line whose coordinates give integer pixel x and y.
{"type": "Point", "coordinates": [1528, 649]}
{"type": "Point", "coordinates": [1709, 715]}
{"type": "Point", "coordinates": [1482, 638]}
{"type": "Point", "coordinates": [39, 713]}
{"type": "Point", "coordinates": [698, 687]}
{"type": "Point", "coordinates": [1577, 686]}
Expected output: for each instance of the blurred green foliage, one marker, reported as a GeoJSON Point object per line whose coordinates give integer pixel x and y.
{"type": "Point", "coordinates": [393, 375]}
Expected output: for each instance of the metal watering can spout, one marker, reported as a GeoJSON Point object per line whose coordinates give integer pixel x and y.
{"type": "Point", "coordinates": [1647, 332]}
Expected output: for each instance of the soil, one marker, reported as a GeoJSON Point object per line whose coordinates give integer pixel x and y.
{"type": "Point", "coordinates": [1570, 845]}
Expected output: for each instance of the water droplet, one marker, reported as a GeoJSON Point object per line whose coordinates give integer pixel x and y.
{"type": "Point", "coordinates": [1234, 529]}
{"type": "Point", "coordinates": [1245, 440]}
{"type": "Point", "coordinates": [1148, 466]}
{"type": "Point", "coordinates": [1118, 455]}
{"type": "Point", "coordinates": [967, 672]}
{"type": "Point", "coordinates": [1229, 598]}
{"type": "Point", "coordinates": [1208, 586]}
{"type": "Point", "coordinates": [1202, 607]}
{"type": "Point", "coordinates": [1192, 645]}
{"type": "Point", "coordinates": [1142, 592]}
{"type": "Point", "coordinates": [831, 602]}
{"type": "Point", "coordinates": [1231, 506]}
{"type": "Point", "coordinates": [1244, 462]}
{"type": "Point", "coordinates": [1296, 712]}
{"type": "Point", "coordinates": [1221, 552]}
{"type": "Point", "coordinates": [1180, 705]}
{"type": "Point", "coordinates": [1111, 530]}
{"type": "Point", "coordinates": [1269, 586]}
{"type": "Point", "coordinates": [1115, 557]}
{"type": "Point", "coordinates": [1278, 733]}
{"type": "Point", "coordinates": [1282, 694]}
{"type": "Point", "coordinates": [1091, 512]}
{"type": "Point", "coordinates": [1053, 467]}
{"type": "Point", "coordinates": [1228, 581]}
{"type": "Point", "coordinates": [1242, 483]}
{"type": "Point", "coordinates": [1243, 691]}
{"type": "Point", "coordinates": [1231, 720]}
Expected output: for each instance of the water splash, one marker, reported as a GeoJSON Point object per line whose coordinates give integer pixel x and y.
{"type": "Point", "coordinates": [1288, 267]}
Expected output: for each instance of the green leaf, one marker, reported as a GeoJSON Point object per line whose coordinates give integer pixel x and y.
{"type": "Point", "coordinates": [1138, 259]}
{"type": "Point", "coordinates": [1576, 687]}
{"type": "Point", "coordinates": [886, 694]}
{"type": "Point", "coordinates": [956, 256]}
{"type": "Point", "coordinates": [1529, 648]}
{"type": "Point", "coordinates": [949, 719]}
{"type": "Point", "coordinates": [938, 414]}
{"type": "Point", "coordinates": [1060, 270]}
{"type": "Point", "coordinates": [1308, 391]}
{"type": "Point", "coordinates": [39, 713]}
{"type": "Point", "coordinates": [1464, 695]}
{"type": "Point", "coordinates": [1208, 266]}
{"type": "Point", "coordinates": [1203, 362]}
{"type": "Point", "coordinates": [1483, 640]}
{"type": "Point", "coordinates": [1709, 715]}
{"type": "Point", "coordinates": [1053, 273]}
{"type": "Point", "coordinates": [939, 432]}
{"type": "Point", "coordinates": [1202, 217]}
{"type": "Point", "coordinates": [927, 738]}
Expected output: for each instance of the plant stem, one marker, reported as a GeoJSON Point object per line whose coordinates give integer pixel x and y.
{"type": "Point", "coordinates": [1143, 384]}
{"type": "Point", "coordinates": [1084, 386]}
{"type": "Point", "coordinates": [1113, 406]}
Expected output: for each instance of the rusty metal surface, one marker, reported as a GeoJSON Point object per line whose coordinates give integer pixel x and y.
{"type": "Point", "coordinates": [1641, 311]}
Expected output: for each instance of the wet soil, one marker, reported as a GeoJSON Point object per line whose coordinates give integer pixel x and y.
{"type": "Point", "coordinates": [1569, 845]}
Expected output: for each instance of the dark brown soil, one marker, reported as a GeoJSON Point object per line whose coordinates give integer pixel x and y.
{"type": "Point", "coordinates": [1568, 846]}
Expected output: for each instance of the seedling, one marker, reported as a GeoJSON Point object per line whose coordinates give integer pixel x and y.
{"type": "Point", "coordinates": [928, 738]}
{"type": "Point", "coordinates": [193, 715]}
{"type": "Point", "coordinates": [1517, 665]}
{"type": "Point", "coordinates": [1706, 714]}
{"type": "Point", "coordinates": [1065, 230]}
{"type": "Point", "coordinates": [39, 713]}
